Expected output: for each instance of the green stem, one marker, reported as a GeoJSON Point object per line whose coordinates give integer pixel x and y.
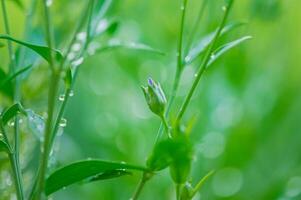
{"type": "Point", "coordinates": [145, 177]}
{"type": "Point", "coordinates": [166, 126]}
{"type": "Point", "coordinates": [178, 191]}
{"type": "Point", "coordinates": [204, 64]}
{"type": "Point", "coordinates": [179, 67]}
{"type": "Point", "coordinates": [175, 83]}
{"type": "Point", "coordinates": [195, 26]}
{"type": "Point", "coordinates": [52, 94]}
{"type": "Point", "coordinates": [14, 157]}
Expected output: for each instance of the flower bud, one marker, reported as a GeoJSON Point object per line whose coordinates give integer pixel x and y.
{"type": "Point", "coordinates": [155, 97]}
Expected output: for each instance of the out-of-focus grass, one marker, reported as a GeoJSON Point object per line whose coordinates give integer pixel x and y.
{"type": "Point", "coordinates": [248, 104]}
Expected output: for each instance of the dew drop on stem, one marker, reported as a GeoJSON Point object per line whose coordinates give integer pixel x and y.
{"type": "Point", "coordinates": [63, 122]}
{"type": "Point", "coordinates": [62, 97]}
{"type": "Point", "coordinates": [71, 93]}
{"type": "Point", "coordinates": [49, 3]}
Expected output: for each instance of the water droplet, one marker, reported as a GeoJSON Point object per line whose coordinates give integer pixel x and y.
{"type": "Point", "coordinates": [224, 8]}
{"type": "Point", "coordinates": [71, 93]}
{"type": "Point", "coordinates": [187, 59]}
{"type": "Point", "coordinates": [77, 62]}
{"type": "Point", "coordinates": [63, 122]}
{"type": "Point", "coordinates": [62, 97]}
{"type": "Point", "coordinates": [49, 3]}
{"type": "Point", "coordinates": [8, 181]}
{"type": "Point", "coordinates": [195, 75]}
{"type": "Point", "coordinates": [81, 36]}
{"type": "Point", "coordinates": [76, 47]}
{"type": "Point", "coordinates": [71, 56]}
{"type": "Point", "coordinates": [20, 121]}
{"type": "Point", "coordinates": [101, 26]}
{"type": "Point", "coordinates": [11, 123]}
{"type": "Point", "coordinates": [182, 7]}
{"type": "Point", "coordinates": [212, 56]}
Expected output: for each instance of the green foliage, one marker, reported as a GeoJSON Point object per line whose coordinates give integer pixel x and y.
{"type": "Point", "coordinates": [43, 51]}
{"type": "Point", "coordinates": [79, 171]}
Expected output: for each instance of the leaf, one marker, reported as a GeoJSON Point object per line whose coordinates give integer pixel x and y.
{"type": "Point", "coordinates": [204, 42]}
{"type": "Point", "coordinates": [7, 88]}
{"type": "Point", "coordinates": [116, 44]}
{"type": "Point", "coordinates": [82, 170]}
{"type": "Point", "coordinates": [110, 174]}
{"type": "Point", "coordinates": [12, 77]}
{"type": "Point", "coordinates": [11, 113]}
{"type": "Point", "coordinates": [200, 184]}
{"type": "Point", "coordinates": [1, 45]}
{"type": "Point", "coordinates": [225, 48]}
{"type": "Point", "coordinates": [43, 51]}
{"type": "Point", "coordinates": [4, 146]}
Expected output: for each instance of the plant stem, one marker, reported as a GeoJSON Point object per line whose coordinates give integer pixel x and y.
{"type": "Point", "coordinates": [204, 64]}
{"type": "Point", "coordinates": [166, 126]}
{"type": "Point", "coordinates": [174, 87]}
{"type": "Point", "coordinates": [145, 177]}
{"type": "Point", "coordinates": [14, 155]}
{"type": "Point", "coordinates": [195, 26]}
{"type": "Point", "coordinates": [179, 67]}
{"type": "Point", "coordinates": [178, 191]}
{"type": "Point", "coordinates": [52, 94]}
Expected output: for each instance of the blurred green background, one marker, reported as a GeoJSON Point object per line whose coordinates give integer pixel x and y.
{"type": "Point", "coordinates": [248, 104]}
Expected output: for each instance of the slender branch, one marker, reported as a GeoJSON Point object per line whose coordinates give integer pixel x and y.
{"type": "Point", "coordinates": [178, 191]}
{"type": "Point", "coordinates": [204, 63]}
{"type": "Point", "coordinates": [145, 177]}
{"type": "Point", "coordinates": [14, 156]}
{"type": "Point", "coordinates": [195, 26]}
{"type": "Point", "coordinates": [179, 67]}
{"type": "Point", "coordinates": [52, 94]}
{"type": "Point", "coordinates": [174, 87]}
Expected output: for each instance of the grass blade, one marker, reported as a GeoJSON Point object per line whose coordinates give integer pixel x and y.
{"type": "Point", "coordinates": [4, 147]}
{"type": "Point", "coordinates": [11, 113]}
{"type": "Point", "coordinates": [225, 48]}
{"type": "Point", "coordinates": [201, 46]}
{"type": "Point", "coordinates": [117, 44]}
{"type": "Point", "coordinates": [82, 170]}
{"type": "Point", "coordinates": [43, 51]}
{"type": "Point", "coordinates": [12, 77]}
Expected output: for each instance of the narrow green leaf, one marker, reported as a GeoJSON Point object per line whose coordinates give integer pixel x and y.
{"type": "Point", "coordinates": [201, 183]}
{"type": "Point", "coordinates": [43, 51]}
{"type": "Point", "coordinates": [1, 45]}
{"type": "Point", "coordinates": [11, 112]}
{"type": "Point", "coordinates": [4, 147]}
{"type": "Point", "coordinates": [82, 170]}
{"type": "Point", "coordinates": [6, 89]}
{"type": "Point", "coordinates": [12, 77]}
{"type": "Point", "coordinates": [204, 42]}
{"type": "Point", "coordinates": [117, 44]}
{"type": "Point", "coordinates": [225, 48]}
{"type": "Point", "coordinates": [110, 175]}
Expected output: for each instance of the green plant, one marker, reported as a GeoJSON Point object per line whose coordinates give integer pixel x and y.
{"type": "Point", "coordinates": [175, 151]}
